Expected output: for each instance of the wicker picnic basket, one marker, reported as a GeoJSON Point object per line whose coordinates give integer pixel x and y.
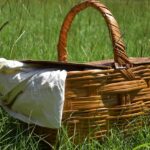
{"type": "Point", "coordinates": [110, 92]}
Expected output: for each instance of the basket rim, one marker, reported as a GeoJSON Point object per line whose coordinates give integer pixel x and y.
{"type": "Point", "coordinates": [107, 64]}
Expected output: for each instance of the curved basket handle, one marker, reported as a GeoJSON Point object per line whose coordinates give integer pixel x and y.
{"type": "Point", "coordinates": [120, 56]}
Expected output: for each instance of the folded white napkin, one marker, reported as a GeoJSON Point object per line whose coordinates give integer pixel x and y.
{"type": "Point", "coordinates": [33, 95]}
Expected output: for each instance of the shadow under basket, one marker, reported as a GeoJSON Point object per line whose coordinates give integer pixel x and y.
{"type": "Point", "coordinates": [101, 94]}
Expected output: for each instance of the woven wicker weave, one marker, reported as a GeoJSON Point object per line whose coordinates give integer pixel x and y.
{"type": "Point", "coordinates": [97, 98]}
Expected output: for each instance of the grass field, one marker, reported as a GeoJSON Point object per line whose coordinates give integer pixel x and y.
{"type": "Point", "coordinates": [32, 33]}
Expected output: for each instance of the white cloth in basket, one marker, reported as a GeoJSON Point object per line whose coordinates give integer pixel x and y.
{"type": "Point", "coordinates": [31, 94]}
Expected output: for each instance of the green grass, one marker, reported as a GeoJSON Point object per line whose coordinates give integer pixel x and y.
{"type": "Point", "coordinates": [32, 33]}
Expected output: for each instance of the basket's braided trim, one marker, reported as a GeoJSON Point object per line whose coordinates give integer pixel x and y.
{"type": "Point", "coordinates": [120, 56]}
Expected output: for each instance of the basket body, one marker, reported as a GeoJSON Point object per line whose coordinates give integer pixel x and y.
{"type": "Point", "coordinates": [95, 100]}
